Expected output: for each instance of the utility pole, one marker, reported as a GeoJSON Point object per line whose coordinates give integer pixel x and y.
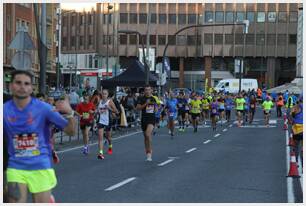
{"type": "Point", "coordinates": [58, 30]}
{"type": "Point", "coordinates": [42, 74]}
{"type": "Point", "coordinates": [109, 7]}
{"type": "Point", "coordinates": [148, 44]}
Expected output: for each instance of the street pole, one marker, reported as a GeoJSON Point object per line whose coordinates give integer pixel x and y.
{"type": "Point", "coordinates": [42, 79]}
{"type": "Point", "coordinates": [58, 49]}
{"type": "Point", "coordinates": [245, 31]}
{"type": "Point", "coordinates": [109, 7]}
{"type": "Point", "coordinates": [261, 76]}
{"type": "Point", "coordinates": [148, 41]}
{"type": "Point", "coordinates": [75, 48]}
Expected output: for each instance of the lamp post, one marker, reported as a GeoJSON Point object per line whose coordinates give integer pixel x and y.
{"type": "Point", "coordinates": [109, 7]}
{"type": "Point", "coordinates": [244, 23]}
{"type": "Point", "coordinates": [245, 31]}
{"type": "Point", "coordinates": [143, 52]}
{"type": "Point", "coordinates": [261, 72]}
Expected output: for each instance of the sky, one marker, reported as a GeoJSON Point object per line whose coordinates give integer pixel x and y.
{"type": "Point", "coordinates": [78, 6]}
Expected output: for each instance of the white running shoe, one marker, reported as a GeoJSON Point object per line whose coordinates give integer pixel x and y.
{"type": "Point", "coordinates": [149, 157]}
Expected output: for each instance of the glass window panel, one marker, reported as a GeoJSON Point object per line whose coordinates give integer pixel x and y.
{"type": "Point", "coordinates": [250, 39]}
{"type": "Point", "coordinates": [153, 19]}
{"type": "Point", "coordinates": [123, 18]}
{"type": "Point", "coordinates": [229, 38]}
{"type": "Point", "coordinates": [271, 39]}
{"type": "Point", "coordinates": [161, 40]}
{"type": "Point", "coordinates": [181, 40]}
{"type": "Point", "coordinates": [153, 39]}
{"type": "Point", "coordinates": [171, 40]}
{"type": "Point", "coordinates": [191, 40]}
{"type": "Point", "coordinates": [271, 16]}
{"type": "Point", "coordinates": [239, 16]}
{"type": "Point", "coordinates": [209, 16]}
{"type": "Point", "coordinates": [133, 18]}
{"type": "Point", "coordinates": [191, 19]}
{"type": "Point", "coordinates": [239, 39]}
{"type": "Point", "coordinates": [182, 19]}
{"type": "Point", "coordinates": [133, 39]}
{"type": "Point", "coordinates": [162, 18]}
{"type": "Point", "coordinates": [172, 18]}
{"type": "Point", "coordinates": [281, 39]}
{"type": "Point", "coordinates": [142, 18]}
{"type": "Point", "coordinates": [219, 16]}
{"type": "Point", "coordinates": [293, 16]}
{"type": "Point", "coordinates": [208, 38]}
{"type": "Point", "coordinates": [260, 39]}
{"type": "Point", "coordinates": [123, 39]}
{"type": "Point", "coordinates": [282, 17]}
{"type": "Point", "coordinates": [229, 17]}
{"type": "Point", "coordinates": [250, 16]}
{"type": "Point", "coordinates": [261, 17]}
{"type": "Point", "coordinates": [292, 39]}
{"type": "Point", "coordinates": [218, 38]}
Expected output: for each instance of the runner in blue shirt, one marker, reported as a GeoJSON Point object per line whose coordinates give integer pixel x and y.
{"type": "Point", "coordinates": [171, 108]}
{"type": "Point", "coordinates": [27, 122]}
{"type": "Point", "coordinates": [246, 108]}
{"type": "Point", "coordinates": [229, 104]}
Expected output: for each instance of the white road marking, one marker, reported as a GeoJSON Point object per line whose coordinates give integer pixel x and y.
{"type": "Point", "coordinates": [224, 130]}
{"type": "Point", "coordinates": [165, 162]}
{"type": "Point", "coordinates": [206, 142]}
{"type": "Point", "coordinates": [120, 184]}
{"type": "Point", "coordinates": [290, 195]}
{"type": "Point", "coordinates": [217, 135]}
{"type": "Point", "coordinates": [79, 147]}
{"type": "Point", "coordinates": [273, 121]}
{"type": "Point", "coordinates": [231, 125]}
{"type": "Point", "coordinates": [258, 126]}
{"type": "Point", "coordinates": [192, 149]}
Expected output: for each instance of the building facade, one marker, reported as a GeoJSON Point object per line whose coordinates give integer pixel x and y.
{"type": "Point", "coordinates": [22, 14]}
{"type": "Point", "coordinates": [268, 49]}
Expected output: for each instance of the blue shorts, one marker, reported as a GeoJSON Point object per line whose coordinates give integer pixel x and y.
{"type": "Point", "coordinates": [172, 118]}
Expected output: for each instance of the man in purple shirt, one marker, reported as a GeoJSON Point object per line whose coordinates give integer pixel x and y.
{"type": "Point", "coordinates": [27, 123]}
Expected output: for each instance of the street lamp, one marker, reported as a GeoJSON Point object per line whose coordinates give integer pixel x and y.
{"type": "Point", "coordinates": [109, 7]}
{"type": "Point", "coordinates": [143, 52]}
{"type": "Point", "coordinates": [261, 72]}
{"type": "Point", "coordinates": [245, 31]}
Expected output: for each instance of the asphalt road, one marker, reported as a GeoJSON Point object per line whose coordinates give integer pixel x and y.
{"type": "Point", "coordinates": [231, 165]}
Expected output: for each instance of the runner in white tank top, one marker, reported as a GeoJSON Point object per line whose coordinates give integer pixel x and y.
{"type": "Point", "coordinates": [104, 108]}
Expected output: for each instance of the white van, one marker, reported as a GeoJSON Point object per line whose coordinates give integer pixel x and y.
{"type": "Point", "coordinates": [232, 85]}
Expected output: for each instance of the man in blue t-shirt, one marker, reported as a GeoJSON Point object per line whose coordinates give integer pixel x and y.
{"type": "Point", "coordinates": [171, 108]}
{"type": "Point", "coordinates": [27, 124]}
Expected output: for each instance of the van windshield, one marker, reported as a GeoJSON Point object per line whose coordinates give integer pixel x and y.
{"type": "Point", "coordinates": [220, 85]}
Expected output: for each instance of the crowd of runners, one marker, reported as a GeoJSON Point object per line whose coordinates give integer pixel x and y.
{"type": "Point", "coordinates": [30, 124]}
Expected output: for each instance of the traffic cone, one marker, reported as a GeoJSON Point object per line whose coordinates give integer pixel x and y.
{"type": "Point", "coordinates": [291, 141]}
{"type": "Point", "coordinates": [293, 171]}
{"type": "Point", "coordinates": [52, 199]}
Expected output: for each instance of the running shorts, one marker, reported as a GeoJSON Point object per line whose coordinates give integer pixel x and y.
{"type": "Point", "coordinates": [221, 110]}
{"type": "Point", "coordinates": [241, 111]}
{"type": "Point", "coordinates": [36, 180]}
{"type": "Point", "coordinates": [182, 113]}
{"type": "Point", "coordinates": [107, 128]}
{"type": "Point", "coordinates": [266, 113]}
{"type": "Point", "coordinates": [145, 123]}
{"type": "Point", "coordinates": [84, 125]}
{"type": "Point", "coordinates": [195, 115]}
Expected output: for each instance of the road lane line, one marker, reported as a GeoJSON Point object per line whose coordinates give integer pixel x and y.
{"type": "Point", "coordinates": [290, 195]}
{"type": "Point", "coordinates": [165, 162]}
{"type": "Point", "coordinates": [231, 125]}
{"type": "Point", "coordinates": [120, 184]}
{"type": "Point", "coordinates": [224, 130]}
{"type": "Point", "coordinates": [192, 149]}
{"type": "Point", "coordinates": [217, 135]}
{"type": "Point", "coordinates": [79, 147]}
{"type": "Point", "coordinates": [206, 142]}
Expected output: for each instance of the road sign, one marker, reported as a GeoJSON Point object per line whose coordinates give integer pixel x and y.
{"type": "Point", "coordinates": [150, 58]}
{"type": "Point", "coordinates": [21, 61]}
{"type": "Point", "coordinates": [22, 40]}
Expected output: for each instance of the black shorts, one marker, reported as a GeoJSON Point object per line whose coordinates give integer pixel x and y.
{"type": "Point", "coordinates": [205, 111]}
{"type": "Point", "coordinates": [265, 113]}
{"type": "Point", "coordinates": [145, 123]}
{"type": "Point", "coordinates": [83, 126]}
{"type": "Point", "coordinates": [107, 128]}
{"type": "Point", "coordinates": [241, 111]}
{"type": "Point", "coordinates": [157, 119]}
{"type": "Point", "coordinates": [298, 137]}
{"type": "Point", "coordinates": [221, 110]}
{"type": "Point", "coordinates": [213, 115]}
{"type": "Point", "coordinates": [195, 115]}
{"type": "Point", "coordinates": [181, 113]}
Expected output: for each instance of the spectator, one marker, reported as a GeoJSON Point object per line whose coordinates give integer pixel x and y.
{"type": "Point", "coordinates": [74, 99]}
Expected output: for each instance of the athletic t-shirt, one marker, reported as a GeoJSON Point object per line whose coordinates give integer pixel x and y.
{"type": "Point", "coordinates": [171, 105]}
{"type": "Point", "coordinates": [148, 113]}
{"type": "Point", "coordinates": [240, 103]}
{"type": "Point", "coordinates": [181, 103]}
{"type": "Point", "coordinates": [28, 134]}
{"type": "Point", "coordinates": [205, 104]}
{"type": "Point", "coordinates": [83, 109]}
{"type": "Point", "coordinates": [267, 105]}
{"type": "Point", "coordinates": [214, 107]}
{"type": "Point", "coordinates": [228, 103]}
{"type": "Point", "coordinates": [195, 106]}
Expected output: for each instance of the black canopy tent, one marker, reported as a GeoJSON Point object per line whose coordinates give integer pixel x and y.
{"type": "Point", "coordinates": [133, 76]}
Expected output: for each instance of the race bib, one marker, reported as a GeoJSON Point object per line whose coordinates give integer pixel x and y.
{"type": "Point", "coordinates": [186, 108]}
{"type": "Point", "coordinates": [171, 114]}
{"type": "Point", "coordinates": [85, 115]}
{"type": "Point", "coordinates": [103, 110]}
{"type": "Point", "coordinates": [214, 111]}
{"type": "Point", "coordinates": [150, 109]}
{"type": "Point", "coordinates": [26, 145]}
{"type": "Point", "coordinates": [252, 106]}
{"type": "Point", "coordinates": [180, 105]}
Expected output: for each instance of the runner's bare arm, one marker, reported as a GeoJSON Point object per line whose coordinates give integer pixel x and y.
{"type": "Point", "coordinates": [113, 107]}
{"type": "Point", "coordinates": [141, 106]}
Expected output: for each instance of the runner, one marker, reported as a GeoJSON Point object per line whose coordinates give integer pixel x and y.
{"type": "Point", "coordinates": [195, 104]}
{"type": "Point", "coordinates": [27, 124]}
{"type": "Point", "coordinates": [105, 107]}
{"type": "Point", "coordinates": [205, 109]}
{"type": "Point", "coordinates": [228, 107]}
{"type": "Point", "coordinates": [239, 108]}
{"type": "Point", "coordinates": [148, 105]}
{"type": "Point", "coordinates": [85, 110]}
{"type": "Point", "coordinates": [214, 113]}
{"type": "Point", "coordinates": [252, 108]}
{"type": "Point", "coordinates": [181, 103]}
{"type": "Point", "coordinates": [246, 109]}
{"type": "Point", "coordinates": [267, 106]}
{"type": "Point", "coordinates": [221, 109]}
{"type": "Point", "coordinates": [171, 108]}
{"type": "Point", "coordinates": [280, 104]}
{"type": "Point", "coordinates": [187, 110]}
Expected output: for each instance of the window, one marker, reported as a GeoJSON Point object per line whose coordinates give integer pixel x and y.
{"type": "Point", "coordinates": [260, 39]}
{"type": "Point", "coordinates": [81, 40]}
{"type": "Point", "coordinates": [229, 17]}
{"type": "Point", "coordinates": [89, 61]}
{"type": "Point", "coordinates": [123, 18]}
{"type": "Point", "coordinates": [123, 39]}
{"type": "Point", "coordinates": [239, 39]}
{"type": "Point", "coordinates": [219, 16]}
{"type": "Point", "coordinates": [73, 20]}
{"type": "Point", "coordinates": [218, 39]}
{"type": "Point", "coordinates": [281, 39]}
{"type": "Point", "coordinates": [72, 41]}
{"type": "Point", "coordinates": [182, 19]}
{"type": "Point", "coordinates": [142, 18]}
{"type": "Point", "coordinates": [172, 18]}
{"type": "Point", "coordinates": [208, 38]}
{"type": "Point", "coordinates": [153, 19]}
{"type": "Point", "coordinates": [65, 20]}
{"type": "Point", "coordinates": [82, 20]}
{"type": "Point", "coordinates": [162, 18]}
{"type": "Point", "coordinates": [261, 17]}
{"type": "Point", "coordinates": [271, 16]}
{"type": "Point", "coordinates": [181, 40]}
{"type": "Point", "coordinates": [171, 40]}
{"type": "Point", "coordinates": [249, 39]}
{"type": "Point", "coordinates": [229, 38]}
{"type": "Point", "coordinates": [239, 16]}
{"type": "Point", "coordinates": [133, 18]}
{"type": "Point", "coordinates": [293, 16]}
{"type": "Point", "coordinates": [250, 16]}
{"type": "Point", "coordinates": [91, 19]}
{"type": "Point", "coordinates": [292, 39]}
{"type": "Point", "coordinates": [153, 39]}
{"type": "Point", "coordinates": [282, 17]}
{"type": "Point", "coordinates": [161, 40]}
{"type": "Point", "coordinates": [191, 19]}
{"type": "Point", "coordinates": [143, 38]}
{"type": "Point", "coordinates": [209, 16]}
{"type": "Point", "coordinates": [64, 42]}
{"type": "Point", "coordinates": [110, 17]}
{"type": "Point", "coordinates": [133, 39]}
{"type": "Point", "coordinates": [96, 63]}
{"type": "Point", "coordinates": [191, 40]}
{"type": "Point", "coordinates": [8, 24]}
{"type": "Point", "coordinates": [271, 39]}
{"type": "Point", "coordinates": [90, 40]}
